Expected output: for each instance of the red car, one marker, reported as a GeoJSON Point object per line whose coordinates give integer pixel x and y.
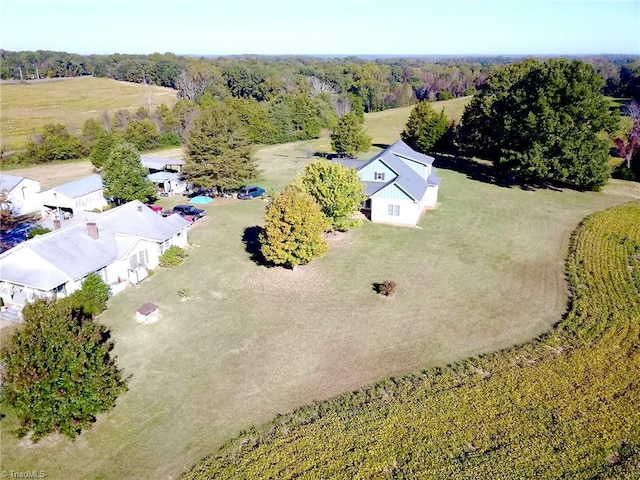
{"type": "Point", "coordinates": [155, 208]}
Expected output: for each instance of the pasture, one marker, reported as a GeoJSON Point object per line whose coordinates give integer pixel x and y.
{"type": "Point", "coordinates": [484, 271]}
{"type": "Point", "coordinates": [28, 106]}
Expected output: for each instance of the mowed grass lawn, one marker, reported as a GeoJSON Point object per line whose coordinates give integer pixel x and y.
{"type": "Point", "coordinates": [484, 271]}
{"type": "Point", "coordinates": [27, 107]}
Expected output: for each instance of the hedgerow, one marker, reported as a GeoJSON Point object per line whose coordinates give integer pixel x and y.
{"type": "Point", "coordinates": [565, 405]}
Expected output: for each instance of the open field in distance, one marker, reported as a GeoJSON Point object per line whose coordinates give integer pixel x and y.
{"type": "Point", "coordinates": [27, 107]}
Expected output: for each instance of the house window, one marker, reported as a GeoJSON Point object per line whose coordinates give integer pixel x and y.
{"type": "Point", "coordinates": [393, 210]}
{"type": "Point", "coordinates": [378, 176]}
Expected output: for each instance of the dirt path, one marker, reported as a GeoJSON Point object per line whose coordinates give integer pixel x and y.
{"type": "Point", "coordinates": [51, 175]}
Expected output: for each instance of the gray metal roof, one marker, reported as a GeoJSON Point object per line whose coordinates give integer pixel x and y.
{"type": "Point", "coordinates": [81, 187]}
{"type": "Point", "coordinates": [350, 162]}
{"type": "Point", "coordinates": [402, 149]}
{"type": "Point", "coordinates": [49, 260]}
{"type": "Point", "coordinates": [160, 177]}
{"type": "Point", "coordinates": [156, 163]}
{"type": "Point", "coordinates": [9, 182]}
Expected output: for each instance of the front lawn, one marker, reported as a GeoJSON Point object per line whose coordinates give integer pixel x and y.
{"type": "Point", "coordinates": [483, 271]}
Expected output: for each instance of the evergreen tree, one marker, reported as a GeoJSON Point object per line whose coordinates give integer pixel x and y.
{"type": "Point", "coordinates": [124, 177]}
{"type": "Point", "coordinates": [540, 122]}
{"type": "Point", "coordinates": [293, 231]}
{"type": "Point", "coordinates": [102, 148]}
{"type": "Point", "coordinates": [58, 374]}
{"type": "Point", "coordinates": [425, 127]}
{"type": "Point", "coordinates": [143, 134]}
{"type": "Point", "coordinates": [349, 137]}
{"type": "Point", "coordinates": [218, 150]}
{"type": "Point", "coordinates": [337, 189]}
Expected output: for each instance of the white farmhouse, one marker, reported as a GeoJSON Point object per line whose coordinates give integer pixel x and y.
{"type": "Point", "coordinates": [119, 245]}
{"type": "Point", "coordinates": [399, 182]}
{"type": "Point", "coordinates": [67, 199]}
{"type": "Point", "coordinates": [22, 194]}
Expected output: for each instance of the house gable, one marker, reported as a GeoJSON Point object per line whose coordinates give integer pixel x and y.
{"type": "Point", "coordinates": [377, 171]}
{"type": "Point", "coordinates": [393, 191]}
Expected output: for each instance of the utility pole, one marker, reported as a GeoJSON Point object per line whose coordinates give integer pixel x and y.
{"type": "Point", "coordinates": [144, 80]}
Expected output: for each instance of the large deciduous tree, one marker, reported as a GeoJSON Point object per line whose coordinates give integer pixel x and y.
{"type": "Point", "coordinates": [349, 137]}
{"type": "Point", "coordinates": [293, 231]}
{"type": "Point", "coordinates": [124, 177]}
{"type": "Point", "coordinates": [337, 189]}
{"type": "Point", "coordinates": [540, 121]}
{"type": "Point", "coordinates": [58, 374]}
{"type": "Point", "coordinates": [219, 150]}
{"type": "Point", "coordinates": [425, 127]}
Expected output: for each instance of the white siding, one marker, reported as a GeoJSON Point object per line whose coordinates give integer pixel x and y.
{"type": "Point", "coordinates": [430, 198]}
{"type": "Point", "coordinates": [24, 197]}
{"type": "Point", "coordinates": [408, 211]}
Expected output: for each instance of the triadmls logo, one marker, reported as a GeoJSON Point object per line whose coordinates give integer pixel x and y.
{"type": "Point", "coordinates": [23, 474]}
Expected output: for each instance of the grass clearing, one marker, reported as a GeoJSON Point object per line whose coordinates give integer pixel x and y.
{"type": "Point", "coordinates": [27, 107]}
{"type": "Point", "coordinates": [484, 271]}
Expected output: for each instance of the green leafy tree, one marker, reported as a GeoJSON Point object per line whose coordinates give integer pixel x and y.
{"type": "Point", "coordinates": [336, 188]}
{"type": "Point", "coordinates": [540, 122]}
{"type": "Point", "coordinates": [58, 374]}
{"type": "Point", "coordinates": [349, 137]}
{"type": "Point", "coordinates": [124, 177]}
{"type": "Point", "coordinates": [92, 129]}
{"type": "Point", "coordinates": [293, 231]}
{"type": "Point", "coordinates": [102, 148]}
{"type": "Point", "coordinates": [425, 127]}
{"type": "Point", "coordinates": [143, 134]}
{"type": "Point", "coordinates": [55, 143]}
{"type": "Point", "coordinates": [218, 150]}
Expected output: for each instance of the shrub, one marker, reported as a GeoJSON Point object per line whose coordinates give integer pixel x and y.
{"type": "Point", "coordinates": [173, 257]}
{"type": "Point", "coordinates": [92, 298]}
{"type": "Point", "coordinates": [184, 293]}
{"type": "Point", "coordinates": [386, 288]}
{"type": "Point", "coordinates": [35, 231]}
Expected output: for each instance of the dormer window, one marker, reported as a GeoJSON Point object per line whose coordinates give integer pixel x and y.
{"type": "Point", "coordinates": [378, 176]}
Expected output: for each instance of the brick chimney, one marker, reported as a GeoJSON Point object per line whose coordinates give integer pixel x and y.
{"type": "Point", "coordinates": [56, 224]}
{"type": "Point", "coordinates": [92, 230]}
{"type": "Point", "coordinates": [139, 208]}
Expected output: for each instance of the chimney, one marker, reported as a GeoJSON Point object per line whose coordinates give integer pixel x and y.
{"type": "Point", "coordinates": [139, 208]}
{"type": "Point", "coordinates": [92, 230]}
{"type": "Point", "coordinates": [56, 224]}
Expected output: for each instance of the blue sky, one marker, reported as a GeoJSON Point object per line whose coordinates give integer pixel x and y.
{"type": "Point", "coordinates": [350, 27]}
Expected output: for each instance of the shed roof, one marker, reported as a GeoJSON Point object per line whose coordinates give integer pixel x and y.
{"type": "Point", "coordinates": [81, 187]}
{"type": "Point", "coordinates": [161, 177]}
{"type": "Point", "coordinates": [156, 163]}
{"type": "Point", "coordinates": [9, 182]}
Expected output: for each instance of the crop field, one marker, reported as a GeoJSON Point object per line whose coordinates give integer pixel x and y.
{"type": "Point", "coordinates": [563, 407]}
{"type": "Point", "coordinates": [27, 107]}
{"type": "Point", "coordinates": [484, 271]}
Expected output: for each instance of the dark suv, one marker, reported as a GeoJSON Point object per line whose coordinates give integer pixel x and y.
{"type": "Point", "coordinates": [247, 193]}
{"type": "Point", "coordinates": [189, 210]}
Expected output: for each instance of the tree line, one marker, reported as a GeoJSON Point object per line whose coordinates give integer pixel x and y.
{"type": "Point", "coordinates": [371, 85]}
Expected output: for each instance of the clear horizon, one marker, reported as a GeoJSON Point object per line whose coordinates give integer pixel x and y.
{"type": "Point", "coordinates": [403, 28]}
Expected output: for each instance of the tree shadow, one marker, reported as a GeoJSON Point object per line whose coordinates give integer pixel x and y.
{"type": "Point", "coordinates": [479, 170]}
{"type": "Point", "coordinates": [250, 238]}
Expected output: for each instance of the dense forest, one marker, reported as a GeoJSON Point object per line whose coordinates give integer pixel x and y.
{"type": "Point", "coordinates": [372, 84]}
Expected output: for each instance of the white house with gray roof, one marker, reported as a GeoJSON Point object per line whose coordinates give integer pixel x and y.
{"type": "Point", "coordinates": [400, 184]}
{"type": "Point", "coordinates": [69, 198]}
{"type": "Point", "coordinates": [22, 194]}
{"type": "Point", "coordinates": [119, 245]}
{"type": "Point", "coordinates": [165, 173]}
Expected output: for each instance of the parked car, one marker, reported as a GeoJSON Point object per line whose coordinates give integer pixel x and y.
{"type": "Point", "coordinates": [247, 193]}
{"type": "Point", "coordinates": [155, 208]}
{"type": "Point", "coordinates": [189, 210]}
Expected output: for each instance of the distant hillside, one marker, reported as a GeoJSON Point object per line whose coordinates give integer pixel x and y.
{"type": "Point", "coordinates": [28, 106]}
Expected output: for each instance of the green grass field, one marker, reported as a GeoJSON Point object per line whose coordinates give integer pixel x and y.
{"type": "Point", "coordinates": [27, 107]}
{"type": "Point", "coordinates": [484, 271]}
